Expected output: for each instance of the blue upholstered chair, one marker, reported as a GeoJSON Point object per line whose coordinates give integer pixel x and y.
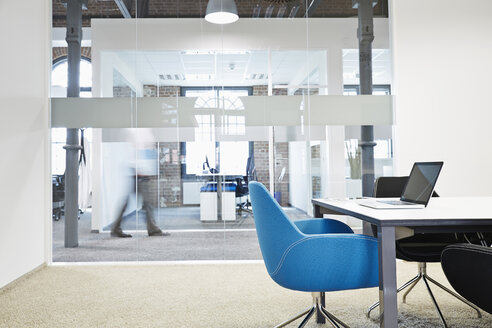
{"type": "Point", "coordinates": [313, 255]}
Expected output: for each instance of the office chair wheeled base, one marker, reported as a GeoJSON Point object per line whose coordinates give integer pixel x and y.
{"type": "Point", "coordinates": [316, 307]}
{"type": "Point", "coordinates": [423, 275]}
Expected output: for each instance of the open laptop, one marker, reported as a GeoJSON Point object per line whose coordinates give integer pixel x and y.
{"type": "Point", "coordinates": [418, 189]}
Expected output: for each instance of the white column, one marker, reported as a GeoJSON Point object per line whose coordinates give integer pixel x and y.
{"type": "Point", "coordinates": [332, 149]}
{"type": "Point", "coordinates": [97, 194]}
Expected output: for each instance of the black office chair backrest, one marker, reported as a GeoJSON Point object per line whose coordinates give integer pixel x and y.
{"type": "Point", "coordinates": [250, 170]}
{"type": "Point", "coordinates": [419, 247]}
{"type": "Point", "coordinates": [241, 188]}
{"type": "Point", "coordinates": [391, 187]}
{"type": "Point", "coordinates": [468, 269]}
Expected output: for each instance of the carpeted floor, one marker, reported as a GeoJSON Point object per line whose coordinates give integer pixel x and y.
{"type": "Point", "coordinates": [190, 239]}
{"type": "Point", "coordinates": [199, 295]}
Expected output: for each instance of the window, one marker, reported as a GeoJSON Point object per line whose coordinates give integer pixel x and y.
{"type": "Point", "coordinates": [232, 156]}
{"type": "Point", "coordinates": [59, 78]}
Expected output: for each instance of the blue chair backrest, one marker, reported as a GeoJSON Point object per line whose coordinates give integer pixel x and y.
{"type": "Point", "coordinates": [275, 230]}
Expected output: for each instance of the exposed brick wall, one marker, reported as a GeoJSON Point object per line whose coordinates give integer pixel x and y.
{"type": "Point", "coordinates": [169, 91]}
{"type": "Point", "coordinates": [260, 90]}
{"type": "Point", "coordinates": [261, 150]}
{"type": "Point", "coordinates": [95, 9]}
{"type": "Point", "coordinates": [281, 158]}
{"type": "Point", "coordinates": [170, 192]}
{"type": "Point", "coordinates": [170, 183]}
{"type": "Point", "coordinates": [123, 92]}
{"type": "Point", "coordinates": [261, 154]}
{"type": "Point", "coordinates": [196, 9]}
{"type": "Point", "coordinates": [59, 52]}
{"type": "Point", "coordinates": [149, 91]}
{"type": "Point", "coordinates": [281, 155]}
{"type": "Point", "coordinates": [316, 180]}
{"type": "Point", "coordinates": [279, 92]}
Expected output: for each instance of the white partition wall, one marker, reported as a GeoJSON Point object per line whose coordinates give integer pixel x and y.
{"type": "Point", "coordinates": [441, 66]}
{"type": "Point", "coordinates": [24, 175]}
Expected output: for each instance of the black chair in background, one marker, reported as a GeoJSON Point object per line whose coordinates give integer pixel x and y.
{"type": "Point", "coordinates": [469, 270]}
{"type": "Point", "coordinates": [58, 188]}
{"type": "Point", "coordinates": [242, 189]}
{"type": "Point", "coordinates": [421, 248]}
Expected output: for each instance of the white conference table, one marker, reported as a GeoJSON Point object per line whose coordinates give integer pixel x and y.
{"type": "Point", "coordinates": [442, 214]}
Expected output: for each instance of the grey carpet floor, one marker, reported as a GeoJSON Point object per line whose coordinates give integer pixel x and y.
{"type": "Point", "coordinates": [199, 295]}
{"type": "Point", "coordinates": [190, 239]}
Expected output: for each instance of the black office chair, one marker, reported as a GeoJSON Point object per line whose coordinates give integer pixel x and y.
{"type": "Point", "coordinates": [421, 248]}
{"type": "Point", "coordinates": [58, 187]}
{"type": "Point", "coordinates": [468, 269]}
{"type": "Point", "coordinates": [242, 189]}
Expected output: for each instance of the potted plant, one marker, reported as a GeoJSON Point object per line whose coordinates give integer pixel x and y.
{"type": "Point", "coordinates": [354, 158]}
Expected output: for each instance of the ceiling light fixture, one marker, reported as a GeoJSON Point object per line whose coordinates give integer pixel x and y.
{"type": "Point", "coordinates": [221, 12]}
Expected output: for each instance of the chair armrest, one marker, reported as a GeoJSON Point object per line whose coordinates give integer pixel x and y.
{"type": "Point", "coordinates": [329, 262]}
{"type": "Point", "coordinates": [321, 226]}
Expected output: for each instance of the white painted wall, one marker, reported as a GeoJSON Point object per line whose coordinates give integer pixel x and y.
{"type": "Point", "coordinates": [24, 137]}
{"type": "Point", "coordinates": [441, 67]}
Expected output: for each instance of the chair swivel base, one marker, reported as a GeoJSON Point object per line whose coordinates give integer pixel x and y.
{"type": "Point", "coordinates": [308, 313]}
{"type": "Point", "coordinates": [422, 274]}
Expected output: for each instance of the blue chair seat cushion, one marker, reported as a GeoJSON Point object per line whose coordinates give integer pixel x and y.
{"type": "Point", "coordinates": [329, 262]}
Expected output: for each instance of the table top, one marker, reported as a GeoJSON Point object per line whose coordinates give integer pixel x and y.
{"type": "Point", "coordinates": [446, 211]}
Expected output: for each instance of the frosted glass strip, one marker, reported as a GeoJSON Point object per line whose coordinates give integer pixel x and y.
{"type": "Point", "coordinates": [258, 111]}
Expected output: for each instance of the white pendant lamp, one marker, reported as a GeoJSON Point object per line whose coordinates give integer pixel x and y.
{"type": "Point", "coordinates": [221, 12]}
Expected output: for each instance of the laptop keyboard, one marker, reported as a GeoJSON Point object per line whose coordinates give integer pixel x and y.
{"type": "Point", "coordinates": [394, 202]}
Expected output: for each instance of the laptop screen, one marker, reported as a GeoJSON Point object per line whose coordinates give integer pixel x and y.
{"type": "Point", "coordinates": [421, 182]}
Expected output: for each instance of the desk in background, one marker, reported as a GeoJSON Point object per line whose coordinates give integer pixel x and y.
{"type": "Point", "coordinates": [218, 202]}
{"type": "Point", "coordinates": [443, 214]}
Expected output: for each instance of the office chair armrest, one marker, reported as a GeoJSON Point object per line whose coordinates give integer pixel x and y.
{"type": "Point", "coordinates": [321, 226]}
{"type": "Point", "coordinates": [350, 260]}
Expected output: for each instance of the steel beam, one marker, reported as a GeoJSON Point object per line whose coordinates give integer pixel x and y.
{"type": "Point", "coordinates": [312, 7]}
{"type": "Point", "coordinates": [125, 6]}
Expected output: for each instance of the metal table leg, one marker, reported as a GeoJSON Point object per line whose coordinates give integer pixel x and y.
{"type": "Point", "coordinates": [388, 308]}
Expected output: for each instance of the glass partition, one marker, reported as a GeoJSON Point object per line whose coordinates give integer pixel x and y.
{"type": "Point", "coordinates": [184, 113]}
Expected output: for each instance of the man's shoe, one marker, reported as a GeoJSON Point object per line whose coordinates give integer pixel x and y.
{"type": "Point", "coordinates": [120, 234]}
{"type": "Point", "coordinates": [158, 233]}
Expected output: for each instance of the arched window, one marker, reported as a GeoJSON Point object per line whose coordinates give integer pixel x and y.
{"type": "Point", "coordinates": [59, 78]}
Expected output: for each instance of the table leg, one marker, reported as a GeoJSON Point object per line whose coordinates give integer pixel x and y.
{"type": "Point", "coordinates": [388, 306]}
{"type": "Point", "coordinates": [319, 317]}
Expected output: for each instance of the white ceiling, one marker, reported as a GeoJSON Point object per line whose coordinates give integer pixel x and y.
{"type": "Point", "coordinates": [242, 68]}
